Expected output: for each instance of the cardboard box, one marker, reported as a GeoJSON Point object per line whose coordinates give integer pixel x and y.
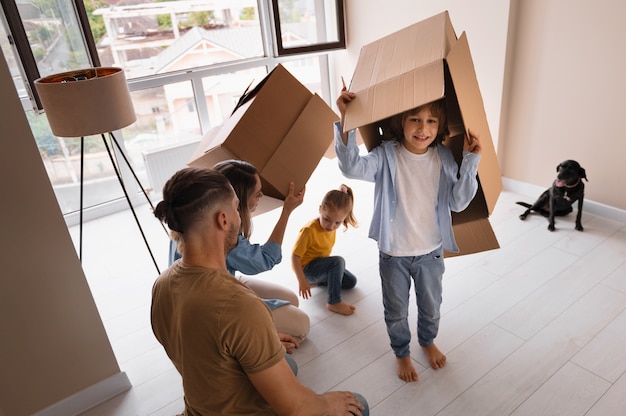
{"type": "Point", "coordinates": [417, 65]}
{"type": "Point", "coordinates": [279, 126]}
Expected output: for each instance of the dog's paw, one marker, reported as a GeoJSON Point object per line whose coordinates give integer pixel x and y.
{"type": "Point", "coordinates": [522, 217]}
{"type": "Point", "coordinates": [551, 227]}
{"type": "Point", "coordinates": [579, 227]}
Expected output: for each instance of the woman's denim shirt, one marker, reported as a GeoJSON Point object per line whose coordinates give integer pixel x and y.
{"type": "Point", "coordinates": [251, 259]}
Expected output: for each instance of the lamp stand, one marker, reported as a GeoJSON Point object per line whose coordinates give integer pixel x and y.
{"type": "Point", "coordinates": [121, 181]}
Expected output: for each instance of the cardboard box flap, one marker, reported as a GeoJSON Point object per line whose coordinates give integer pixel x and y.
{"type": "Point", "coordinates": [248, 93]}
{"type": "Point", "coordinates": [400, 71]}
{"type": "Point", "coordinates": [474, 237]}
{"type": "Point", "coordinates": [210, 140]}
{"type": "Point", "coordinates": [396, 95]}
{"type": "Point", "coordinates": [273, 116]}
{"type": "Point", "coordinates": [218, 134]}
{"type": "Point", "coordinates": [468, 95]}
{"type": "Point", "coordinates": [402, 51]}
{"type": "Point", "coordinates": [208, 160]}
{"type": "Point", "coordinates": [283, 167]}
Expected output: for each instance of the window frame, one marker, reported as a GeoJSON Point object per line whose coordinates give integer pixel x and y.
{"type": "Point", "coordinates": [19, 40]}
{"type": "Point", "coordinates": [318, 47]}
{"type": "Point", "coordinates": [274, 49]}
{"type": "Point", "coordinates": [195, 75]}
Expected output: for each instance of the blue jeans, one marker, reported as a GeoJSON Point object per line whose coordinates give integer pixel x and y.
{"type": "Point", "coordinates": [395, 274]}
{"type": "Point", "coordinates": [330, 271]}
{"type": "Point", "coordinates": [363, 401]}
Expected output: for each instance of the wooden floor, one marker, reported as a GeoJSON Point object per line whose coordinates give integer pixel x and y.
{"type": "Point", "coordinates": [537, 327]}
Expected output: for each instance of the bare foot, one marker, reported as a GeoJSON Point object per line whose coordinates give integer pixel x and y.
{"type": "Point", "coordinates": [341, 307]}
{"type": "Point", "coordinates": [406, 371]}
{"type": "Point", "coordinates": [436, 359]}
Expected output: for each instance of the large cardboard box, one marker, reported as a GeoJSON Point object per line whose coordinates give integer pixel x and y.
{"type": "Point", "coordinates": [279, 126]}
{"type": "Point", "coordinates": [417, 65]}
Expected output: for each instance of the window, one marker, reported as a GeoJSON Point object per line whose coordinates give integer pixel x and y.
{"type": "Point", "coordinates": [307, 26]}
{"type": "Point", "coordinates": [156, 37]}
{"type": "Point", "coordinates": [186, 63]}
{"type": "Point", "coordinates": [47, 38]}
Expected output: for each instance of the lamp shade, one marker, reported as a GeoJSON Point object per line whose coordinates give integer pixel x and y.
{"type": "Point", "coordinates": [86, 102]}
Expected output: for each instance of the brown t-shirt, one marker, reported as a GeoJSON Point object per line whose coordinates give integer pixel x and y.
{"type": "Point", "coordinates": [215, 330]}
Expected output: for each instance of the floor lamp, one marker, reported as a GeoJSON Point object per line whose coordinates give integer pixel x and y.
{"type": "Point", "coordinates": [90, 102]}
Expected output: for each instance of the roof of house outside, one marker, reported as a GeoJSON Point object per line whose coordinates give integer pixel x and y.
{"type": "Point", "coordinates": [242, 42]}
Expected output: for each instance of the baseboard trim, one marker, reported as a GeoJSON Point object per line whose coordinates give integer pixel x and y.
{"type": "Point", "coordinates": [89, 397]}
{"type": "Point", "coordinates": [592, 207]}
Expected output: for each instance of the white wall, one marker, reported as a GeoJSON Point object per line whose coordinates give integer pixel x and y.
{"type": "Point", "coordinates": [564, 95]}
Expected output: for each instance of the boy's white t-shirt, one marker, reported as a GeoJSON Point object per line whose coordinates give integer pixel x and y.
{"type": "Point", "coordinates": [414, 231]}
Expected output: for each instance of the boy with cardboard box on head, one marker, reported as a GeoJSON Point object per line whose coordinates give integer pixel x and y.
{"type": "Point", "coordinates": [411, 92]}
{"type": "Point", "coordinates": [416, 188]}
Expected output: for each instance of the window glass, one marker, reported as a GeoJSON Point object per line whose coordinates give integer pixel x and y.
{"type": "Point", "coordinates": [13, 62]}
{"type": "Point", "coordinates": [187, 63]}
{"type": "Point", "coordinates": [222, 92]}
{"type": "Point", "coordinates": [308, 71]}
{"type": "Point", "coordinates": [157, 37]}
{"type": "Point", "coordinates": [305, 24]}
{"type": "Point", "coordinates": [166, 118]}
{"type": "Point", "coordinates": [54, 36]}
{"type": "Point", "coordinates": [61, 158]}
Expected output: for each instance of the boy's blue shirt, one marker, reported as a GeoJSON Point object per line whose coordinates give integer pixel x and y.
{"type": "Point", "coordinates": [380, 166]}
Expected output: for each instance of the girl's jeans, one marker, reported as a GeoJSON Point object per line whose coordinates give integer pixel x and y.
{"type": "Point", "coordinates": [395, 274]}
{"type": "Point", "coordinates": [330, 271]}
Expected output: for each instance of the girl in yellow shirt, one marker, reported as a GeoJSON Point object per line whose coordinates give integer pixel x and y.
{"type": "Point", "coordinates": [311, 259]}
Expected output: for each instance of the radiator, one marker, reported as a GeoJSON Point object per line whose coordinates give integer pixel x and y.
{"type": "Point", "coordinates": [161, 164]}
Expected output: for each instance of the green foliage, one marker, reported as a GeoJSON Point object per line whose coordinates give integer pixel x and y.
{"type": "Point", "coordinates": [200, 18]}
{"type": "Point", "coordinates": [43, 33]}
{"type": "Point", "coordinates": [46, 142]}
{"type": "Point", "coordinates": [98, 30]}
{"type": "Point", "coordinates": [287, 12]}
{"type": "Point", "coordinates": [38, 52]}
{"type": "Point", "coordinates": [247, 13]}
{"type": "Point", "coordinates": [164, 21]}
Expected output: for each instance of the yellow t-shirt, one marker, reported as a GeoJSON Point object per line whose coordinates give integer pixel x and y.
{"type": "Point", "coordinates": [313, 242]}
{"type": "Point", "coordinates": [216, 331]}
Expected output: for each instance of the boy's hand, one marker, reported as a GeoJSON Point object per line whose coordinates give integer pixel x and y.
{"type": "Point", "coordinates": [343, 100]}
{"type": "Point", "coordinates": [472, 142]}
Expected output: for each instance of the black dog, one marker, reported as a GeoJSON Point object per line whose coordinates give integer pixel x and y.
{"type": "Point", "coordinates": [567, 188]}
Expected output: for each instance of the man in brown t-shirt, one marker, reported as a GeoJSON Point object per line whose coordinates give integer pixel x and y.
{"type": "Point", "coordinates": [219, 334]}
